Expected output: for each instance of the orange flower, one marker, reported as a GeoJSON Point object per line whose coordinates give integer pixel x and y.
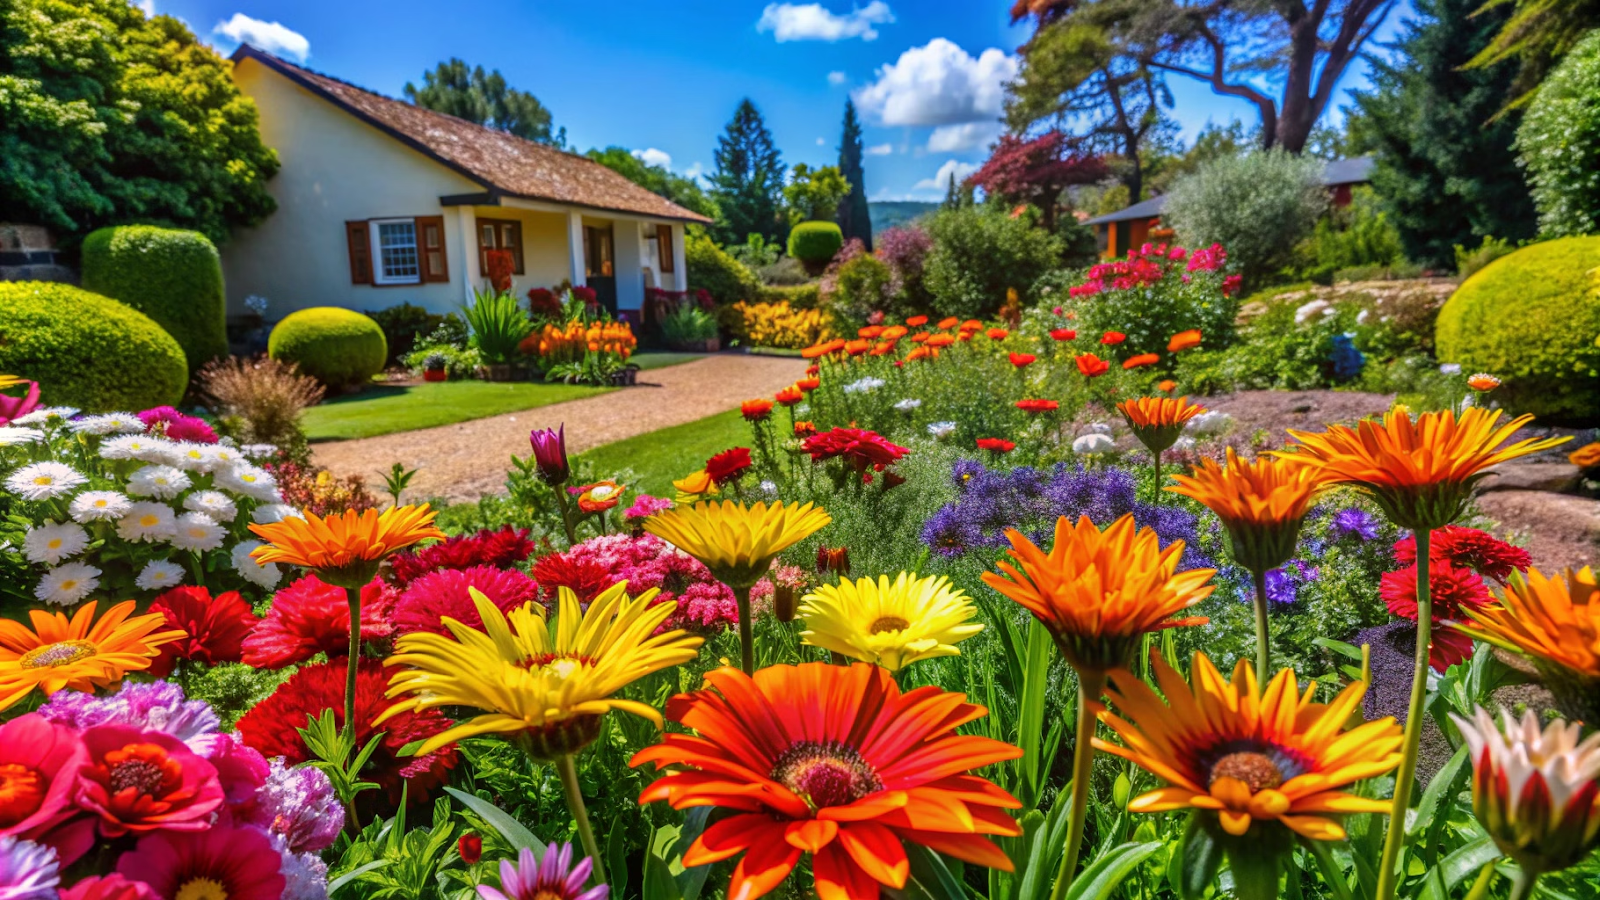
{"type": "Point", "coordinates": [947, 324]}
{"type": "Point", "coordinates": [808, 384]}
{"type": "Point", "coordinates": [916, 321]}
{"type": "Point", "coordinates": [77, 653]}
{"type": "Point", "coordinates": [1483, 382]}
{"type": "Point", "coordinates": [1022, 360]}
{"type": "Point", "coordinates": [920, 336]}
{"type": "Point", "coordinates": [869, 331]}
{"type": "Point", "coordinates": [1157, 421]}
{"type": "Point", "coordinates": [923, 353]}
{"type": "Point", "coordinates": [941, 340]}
{"type": "Point", "coordinates": [813, 370]}
{"type": "Point", "coordinates": [804, 429]}
{"type": "Point", "coordinates": [755, 410]}
{"type": "Point", "coordinates": [600, 496]}
{"type": "Point", "coordinates": [1167, 386]}
{"type": "Point", "coordinates": [1099, 591]}
{"type": "Point", "coordinates": [835, 762]}
{"type": "Point", "coordinates": [895, 332]}
{"type": "Point", "coordinates": [1091, 366]}
{"type": "Point", "coordinates": [1112, 337]}
{"type": "Point", "coordinates": [882, 348]}
{"type": "Point", "coordinates": [1183, 340]}
{"type": "Point", "coordinates": [823, 349]}
{"type": "Point", "coordinates": [344, 549]}
{"type": "Point", "coordinates": [857, 347]}
{"type": "Point", "coordinates": [1261, 504]}
{"type": "Point", "coordinates": [1037, 406]}
{"type": "Point", "coordinates": [997, 334]}
{"type": "Point", "coordinates": [1555, 622]}
{"type": "Point", "coordinates": [1143, 359]}
{"type": "Point", "coordinates": [972, 325]}
{"type": "Point", "coordinates": [791, 395]}
{"type": "Point", "coordinates": [1586, 457]}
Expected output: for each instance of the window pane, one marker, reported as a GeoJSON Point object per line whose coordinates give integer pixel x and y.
{"type": "Point", "coordinates": [486, 238]}
{"type": "Point", "coordinates": [397, 250]}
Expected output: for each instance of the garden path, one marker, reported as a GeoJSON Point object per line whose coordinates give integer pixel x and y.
{"type": "Point", "coordinates": [462, 462]}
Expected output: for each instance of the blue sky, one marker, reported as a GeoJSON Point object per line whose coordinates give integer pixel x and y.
{"type": "Point", "coordinates": [663, 78]}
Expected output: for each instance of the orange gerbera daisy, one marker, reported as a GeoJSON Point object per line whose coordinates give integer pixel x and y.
{"type": "Point", "coordinates": [344, 549]}
{"type": "Point", "coordinates": [948, 323]}
{"type": "Point", "coordinates": [857, 347]}
{"type": "Point", "coordinates": [941, 340]}
{"type": "Point", "coordinates": [823, 349]}
{"type": "Point", "coordinates": [1421, 473]}
{"type": "Point", "coordinates": [1157, 421]}
{"type": "Point", "coordinates": [1183, 340]}
{"type": "Point", "coordinates": [77, 653]}
{"type": "Point", "coordinates": [790, 395]}
{"type": "Point", "coordinates": [835, 762]}
{"type": "Point", "coordinates": [1099, 591]}
{"type": "Point", "coordinates": [1247, 755]}
{"type": "Point", "coordinates": [997, 334]}
{"type": "Point", "coordinates": [755, 410]}
{"type": "Point", "coordinates": [1261, 503]}
{"type": "Point", "coordinates": [1555, 622]}
{"type": "Point", "coordinates": [895, 332]}
{"type": "Point", "coordinates": [809, 383]}
{"type": "Point", "coordinates": [917, 321]}
{"type": "Point", "coordinates": [1143, 359]}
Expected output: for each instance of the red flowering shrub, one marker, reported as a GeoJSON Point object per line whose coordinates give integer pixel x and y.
{"type": "Point", "coordinates": [1155, 292]}
{"type": "Point", "coordinates": [500, 548]}
{"type": "Point", "coordinates": [543, 303]}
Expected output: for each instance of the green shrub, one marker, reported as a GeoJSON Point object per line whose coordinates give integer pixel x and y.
{"type": "Point", "coordinates": [403, 325]}
{"type": "Point", "coordinates": [688, 324]}
{"type": "Point", "coordinates": [1532, 318]}
{"type": "Point", "coordinates": [815, 242]}
{"type": "Point", "coordinates": [978, 253]}
{"type": "Point", "coordinates": [86, 350]}
{"type": "Point", "coordinates": [1257, 206]}
{"type": "Point", "coordinates": [856, 286]}
{"type": "Point", "coordinates": [1470, 259]}
{"type": "Point", "coordinates": [725, 278]}
{"type": "Point", "coordinates": [498, 324]}
{"type": "Point", "coordinates": [1355, 236]}
{"type": "Point", "coordinates": [798, 296]}
{"type": "Point", "coordinates": [338, 347]}
{"type": "Point", "coordinates": [1559, 140]}
{"type": "Point", "coordinates": [172, 276]}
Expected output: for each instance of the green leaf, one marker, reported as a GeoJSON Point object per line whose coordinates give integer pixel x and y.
{"type": "Point", "coordinates": [930, 871]}
{"type": "Point", "coordinates": [658, 881]}
{"type": "Point", "coordinates": [1101, 879]}
{"type": "Point", "coordinates": [1438, 790]}
{"type": "Point", "coordinates": [1349, 651]}
{"type": "Point", "coordinates": [1197, 861]}
{"type": "Point", "coordinates": [510, 829]}
{"type": "Point", "coordinates": [617, 858]}
{"type": "Point", "coordinates": [1456, 867]}
{"type": "Point", "coordinates": [355, 873]}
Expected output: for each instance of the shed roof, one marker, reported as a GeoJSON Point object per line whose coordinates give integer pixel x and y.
{"type": "Point", "coordinates": [1356, 170]}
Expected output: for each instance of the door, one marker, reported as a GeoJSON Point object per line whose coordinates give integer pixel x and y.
{"type": "Point", "coordinates": [600, 261]}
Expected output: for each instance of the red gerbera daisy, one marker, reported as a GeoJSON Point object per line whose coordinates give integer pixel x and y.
{"type": "Point", "coordinates": [1468, 548]}
{"type": "Point", "coordinates": [135, 781]}
{"type": "Point", "coordinates": [444, 593]}
{"type": "Point", "coordinates": [1037, 406]}
{"type": "Point", "coordinates": [221, 863]}
{"type": "Point", "coordinates": [861, 448]}
{"type": "Point", "coordinates": [499, 548]}
{"type": "Point", "coordinates": [1021, 360]}
{"type": "Point", "coordinates": [1063, 334]}
{"type": "Point", "coordinates": [836, 762]}
{"type": "Point", "coordinates": [311, 617]}
{"type": "Point", "coordinates": [1113, 337]}
{"type": "Point", "coordinates": [271, 727]}
{"type": "Point", "coordinates": [996, 445]}
{"type": "Point", "coordinates": [1091, 366]}
{"type": "Point", "coordinates": [216, 626]}
{"type": "Point", "coordinates": [583, 577]}
{"type": "Point", "coordinates": [1453, 590]}
{"type": "Point", "coordinates": [729, 465]}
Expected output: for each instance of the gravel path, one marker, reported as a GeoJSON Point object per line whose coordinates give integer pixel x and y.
{"type": "Point", "coordinates": [462, 462]}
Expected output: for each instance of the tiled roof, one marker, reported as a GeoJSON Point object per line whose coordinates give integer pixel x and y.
{"type": "Point", "coordinates": [502, 162]}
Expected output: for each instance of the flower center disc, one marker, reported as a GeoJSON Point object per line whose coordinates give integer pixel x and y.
{"type": "Point", "coordinates": [140, 774]}
{"type": "Point", "coordinates": [889, 623]}
{"type": "Point", "coordinates": [558, 664]}
{"type": "Point", "coordinates": [1256, 770]}
{"type": "Point", "coordinates": [826, 774]}
{"type": "Point", "coordinates": [21, 793]}
{"type": "Point", "coordinates": [60, 653]}
{"type": "Point", "coordinates": [202, 889]}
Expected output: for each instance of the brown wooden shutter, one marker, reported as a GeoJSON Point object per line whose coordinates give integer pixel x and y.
{"type": "Point", "coordinates": [359, 239]}
{"type": "Point", "coordinates": [664, 247]}
{"type": "Point", "coordinates": [431, 255]}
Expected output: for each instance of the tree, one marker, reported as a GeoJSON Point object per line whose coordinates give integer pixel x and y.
{"type": "Point", "coordinates": [108, 117]}
{"type": "Point", "coordinates": [484, 99]}
{"type": "Point", "coordinates": [1447, 174]}
{"type": "Point", "coordinates": [815, 194]}
{"type": "Point", "coordinates": [855, 217]}
{"type": "Point", "coordinates": [748, 181]}
{"type": "Point", "coordinates": [1559, 140]}
{"type": "Point", "coordinates": [1537, 34]}
{"type": "Point", "coordinates": [684, 191]}
{"type": "Point", "coordinates": [1036, 171]}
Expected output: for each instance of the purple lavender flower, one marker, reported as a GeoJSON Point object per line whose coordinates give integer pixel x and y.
{"type": "Point", "coordinates": [153, 706]}
{"type": "Point", "coordinates": [964, 471]}
{"type": "Point", "coordinates": [305, 875]}
{"type": "Point", "coordinates": [556, 878]}
{"type": "Point", "coordinates": [298, 804]}
{"type": "Point", "coordinates": [1281, 587]}
{"type": "Point", "coordinates": [948, 533]}
{"type": "Point", "coordinates": [1353, 522]}
{"type": "Point", "coordinates": [28, 871]}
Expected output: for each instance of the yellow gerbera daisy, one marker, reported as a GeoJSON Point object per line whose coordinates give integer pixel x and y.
{"type": "Point", "coordinates": [345, 549]}
{"type": "Point", "coordinates": [1245, 754]}
{"type": "Point", "coordinates": [891, 624]}
{"type": "Point", "coordinates": [77, 653]}
{"type": "Point", "coordinates": [737, 542]}
{"type": "Point", "coordinates": [544, 687]}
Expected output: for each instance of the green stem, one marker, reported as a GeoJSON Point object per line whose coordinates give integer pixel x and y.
{"type": "Point", "coordinates": [580, 814]}
{"type": "Point", "coordinates": [566, 515]}
{"type": "Point", "coordinates": [1157, 501]}
{"type": "Point", "coordinates": [1090, 684]}
{"type": "Point", "coordinates": [1396, 838]}
{"type": "Point", "coordinates": [353, 595]}
{"type": "Point", "coordinates": [1263, 639]}
{"type": "Point", "coordinates": [747, 638]}
{"type": "Point", "coordinates": [1522, 883]}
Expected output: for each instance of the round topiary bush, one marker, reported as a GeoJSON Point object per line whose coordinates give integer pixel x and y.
{"type": "Point", "coordinates": [86, 350]}
{"type": "Point", "coordinates": [815, 242]}
{"type": "Point", "coordinates": [172, 276]}
{"type": "Point", "coordinates": [338, 347]}
{"type": "Point", "coordinates": [1533, 319]}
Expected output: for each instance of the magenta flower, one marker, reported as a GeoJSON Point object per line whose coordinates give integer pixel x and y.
{"type": "Point", "coordinates": [644, 506]}
{"type": "Point", "coordinates": [168, 421]}
{"type": "Point", "coordinates": [17, 407]}
{"type": "Point", "coordinates": [555, 878]}
{"type": "Point", "coordinates": [550, 454]}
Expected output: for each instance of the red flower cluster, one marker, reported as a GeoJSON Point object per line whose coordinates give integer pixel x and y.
{"type": "Point", "coordinates": [583, 577]}
{"type": "Point", "coordinates": [996, 445]}
{"type": "Point", "coordinates": [427, 600]}
{"type": "Point", "coordinates": [1451, 589]}
{"type": "Point", "coordinates": [861, 448]}
{"type": "Point", "coordinates": [729, 465]}
{"type": "Point", "coordinates": [1209, 259]}
{"type": "Point", "coordinates": [498, 548]}
{"type": "Point", "coordinates": [216, 627]}
{"type": "Point", "coordinates": [309, 617]}
{"type": "Point", "coordinates": [1037, 406]}
{"type": "Point", "coordinates": [1467, 548]}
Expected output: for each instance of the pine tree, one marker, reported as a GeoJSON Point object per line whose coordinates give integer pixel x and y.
{"type": "Point", "coordinates": [855, 218]}
{"type": "Point", "coordinates": [1447, 174]}
{"type": "Point", "coordinates": [748, 181]}
{"type": "Point", "coordinates": [485, 98]}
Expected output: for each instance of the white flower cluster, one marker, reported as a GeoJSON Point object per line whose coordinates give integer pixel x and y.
{"type": "Point", "coordinates": [864, 386]}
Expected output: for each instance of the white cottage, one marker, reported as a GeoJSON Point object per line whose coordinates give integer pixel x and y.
{"type": "Point", "coordinates": [381, 202]}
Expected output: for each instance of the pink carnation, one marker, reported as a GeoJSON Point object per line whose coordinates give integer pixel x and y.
{"type": "Point", "coordinates": [435, 595]}
{"type": "Point", "coordinates": [645, 506]}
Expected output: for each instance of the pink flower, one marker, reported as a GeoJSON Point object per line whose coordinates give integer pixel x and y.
{"type": "Point", "coordinates": [1210, 259]}
{"type": "Point", "coordinates": [109, 887]}
{"type": "Point", "coordinates": [137, 782]}
{"type": "Point", "coordinates": [17, 407]}
{"type": "Point", "coordinates": [38, 764]}
{"type": "Point", "coordinates": [239, 863]}
{"type": "Point", "coordinates": [435, 595]}
{"type": "Point", "coordinates": [645, 506]}
{"type": "Point", "coordinates": [168, 421]}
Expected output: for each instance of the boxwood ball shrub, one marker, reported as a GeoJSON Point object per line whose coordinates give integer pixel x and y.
{"type": "Point", "coordinates": [86, 350]}
{"type": "Point", "coordinates": [338, 347]}
{"type": "Point", "coordinates": [1532, 318]}
{"type": "Point", "coordinates": [815, 242]}
{"type": "Point", "coordinates": [172, 276]}
{"type": "Point", "coordinates": [711, 268]}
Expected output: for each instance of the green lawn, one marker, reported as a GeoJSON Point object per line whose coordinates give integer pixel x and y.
{"type": "Point", "coordinates": [385, 409]}
{"type": "Point", "coordinates": [661, 456]}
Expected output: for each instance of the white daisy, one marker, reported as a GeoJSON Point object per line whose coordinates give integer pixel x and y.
{"type": "Point", "coordinates": [45, 414]}
{"type": "Point", "coordinates": [44, 481]}
{"type": "Point", "coordinates": [941, 430]}
{"type": "Point", "coordinates": [138, 446]}
{"type": "Point", "coordinates": [51, 543]}
{"type": "Point", "coordinates": [198, 532]}
{"type": "Point", "coordinates": [864, 385]}
{"type": "Point", "coordinates": [10, 436]}
{"type": "Point", "coordinates": [213, 503]}
{"type": "Point", "coordinates": [158, 575]}
{"type": "Point", "coordinates": [251, 481]}
{"type": "Point", "coordinates": [908, 404]}
{"type": "Point", "coordinates": [259, 451]}
{"type": "Point", "coordinates": [266, 576]}
{"type": "Point", "coordinates": [66, 585]}
{"type": "Point", "coordinates": [274, 512]}
{"type": "Point", "coordinates": [98, 506]}
{"type": "Point", "coordinates": [224, 456]}
{"type": "Point", "coordinates": [163, 482]}
{"type": "Point", "coordinates": [194, 457]}
{"type": "Point", "coordinates": [147, 521]}
{"type": "Point", "coordinates": [110, 423]}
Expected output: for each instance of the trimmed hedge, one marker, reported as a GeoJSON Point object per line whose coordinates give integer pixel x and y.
{"type": "Point", "coordinates": [798, 296]}
{"type": "Point", "coordinates": [172, 276]}
{"type": "Point", "coordinates": [86, 350]}
{"type": "Point", "coordinates": [815, 242]}
{"type": "Point", "coordinates": [1533, 319]}
{"type": "Point", "coordinates": [712, 269]}
{"type": "Point", "coordinates": [338, 347]}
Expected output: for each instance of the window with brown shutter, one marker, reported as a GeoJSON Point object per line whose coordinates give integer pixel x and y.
{"type": "Point", "coordinates": [430, 244]}
{"type": "Point", "coordinates": [664, 248]}
{"type": "Point", "coordinates": [500, 234]}
{"type": "Point", "coordinates": [356, 235]}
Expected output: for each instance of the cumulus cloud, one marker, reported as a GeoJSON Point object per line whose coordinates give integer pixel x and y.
{"type": "Point", "coordinates": [148, 6]}
{"type": "Point", "coordinates": [880, 150]}
{"type": "Point", "coordinates": [836, 78]}
{"type": "Point", "coordinates": [272, 37]}
{"type": "Point", "coordinates": [962, 138]}
{"type": "Point", "coordinates": [941, 178]}
{"type": "Point", "coordinates": [650, 156]}
{"type": "Point", "coordinates": [939, 84]}
{"type": "Point", "coordinates": [695, 170]}
{"type": "Point", "coordinates": [814, 22]}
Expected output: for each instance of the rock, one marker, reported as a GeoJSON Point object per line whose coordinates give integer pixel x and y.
{"type": "Point", "coordinates": [1561, 530]}
{"type": "Point", "coordinates": [1554, 477]}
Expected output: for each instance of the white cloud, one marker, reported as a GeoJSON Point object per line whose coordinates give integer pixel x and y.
{"type": "Point", "coordinates": [272, 37]}
{"type": "Point", "coordinates": [695, 170]}
{"type": "Point", "coordinates": [148, 6]}
{"type": "Point", "coordinates": [938, 84]}
{"type": "Point", "coordinates": [650, 156]}
{"type": "Point", "coordinates": [963, 137]}
{"type": "Point", "coordinates": [813, 21]}
{"type": "Point", "coordinates": [880, 150]}
{"type": "Point", "coordinates": [941, 178]}
{"type": "Point", "coordinates": [836, 78]}
{"type": "Point", "coordinates": [821, 142]}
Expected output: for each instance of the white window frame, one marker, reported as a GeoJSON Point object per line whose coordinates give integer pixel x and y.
{"type": "Point", "coordinates": [375, 230]}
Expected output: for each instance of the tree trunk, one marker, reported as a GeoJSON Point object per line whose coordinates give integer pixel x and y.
{"type": "Point", "coordinates": [1298, 112]}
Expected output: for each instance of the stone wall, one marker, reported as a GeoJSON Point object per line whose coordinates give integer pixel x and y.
{"type": "Point", "coordinates": [28, 253]}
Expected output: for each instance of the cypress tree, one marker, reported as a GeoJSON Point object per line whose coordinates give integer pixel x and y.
{"type": "Point", "coordinates": [748, 181]}
{"type": "Point", "coordinates": [855, 219]}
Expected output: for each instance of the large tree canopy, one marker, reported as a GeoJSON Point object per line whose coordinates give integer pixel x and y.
{"type": "Point", "coordinates": [748, 181]}
{"type": "Point", "coordinates": [684, 191]}
{"type": "Point", "coordinates": [855, 217]}
{"type": "Point", "coordinates": [108, 117]}
{"type": "Point", "coordinates": [1036, 171]}
{"type": "Point", "coordinates": [485, 98]}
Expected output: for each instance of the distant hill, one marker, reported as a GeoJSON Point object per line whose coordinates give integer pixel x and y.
{"type": "Point", "coordinates": [889, 213]}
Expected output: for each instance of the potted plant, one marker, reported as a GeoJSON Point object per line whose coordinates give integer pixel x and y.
{"type": "Point", "coordinates": [433, 367]}
{"type": "Point", "coordinates": [690, 328]}
{"type": "Point", "coordinates": [498, 324]}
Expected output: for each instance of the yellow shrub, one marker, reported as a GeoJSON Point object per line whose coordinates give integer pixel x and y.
{"type": "Point", "coordinates": [570, 342]}
{"type": "Point", "coordinates": [776, 324]}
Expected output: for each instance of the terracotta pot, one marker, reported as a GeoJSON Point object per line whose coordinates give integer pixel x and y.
{"type": "Point", "coordinates": [435, 375]}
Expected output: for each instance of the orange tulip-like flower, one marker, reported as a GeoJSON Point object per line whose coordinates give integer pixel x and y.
{"type": "Point", "coordinates": [998, 334]}
{"type": "Point", "coordinates": [1091, 366]}
{"type": "Point", "coordinates": [791, 395]}
{"type": "Point", "coordinates": [755, 410]}
{"type": "Point", "coordinates": [345, 549]}
{"type": "Point", "coordinates": [805, 429]}
{"type": "Point", "coordinates": [1555, 622]}
{"type": "Point", "coordinates": [1037, 406]}
{"type": "Point", "coordinates": [1143, 359]}
{"type": "Point", "coordinates": [836, 762]}
{"type": "Point", "coordinates": [1421, 473]}
{"type": "Point", "coordinates": [1483, 382]}
{"type": "Point", "coordinates": [1261, 503]}
{"type": "Point", "coordinates": [1183, 340]}
{"type": "Point", "coordinates": [941, 340]}
{"type": "Point", "coordinates": [1099, 591]}
{"type": "Point", "coordinates": [78, 653]}
{"type": "Point", "coordinates": [1157, 421]}
{"type": "Point", "coordinates": [921, 336]}
{"type": "Point", "coordinates": [949, 323]}
{"type": "Point", "coordinates": [1247, 755]}
{"type": "Point", "coordinates": [1166, 386]}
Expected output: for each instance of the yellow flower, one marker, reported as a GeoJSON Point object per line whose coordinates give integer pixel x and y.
{"type": "Point", "coordinates": [695, 486]}
{"type": "Point", "coordinates": [1099, 591]}
{"type": "Point", "coordinates": [544, 688]}
{"type": "Point", "coordinates": [344, 549]}
{"type": "Point", "coordinates": [1157, 421]}
{"type": "Point", "coordinates": [1555, 622]}
{"type": "Point", "coordinates": [11, 381]}
{"type": "Point", "coordinates": [889, 624]}
{"type": "Point", "coordinates": [1261, 503]}
{"type": "Point", "coordinates": [1421, 473]}
{"type": "Point", "coordinates": [77, 653]}
{"type": "Point", "coordinates": [737, 542]}
{"type": "Point", "coordinates": [1245, 754]}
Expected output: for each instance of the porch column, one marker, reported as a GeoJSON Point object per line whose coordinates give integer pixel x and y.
{"type": "Point", "coordinates": [575, 260]}
{"type": "Point", "coordinates": [629, 263]}
{"type": "Point", "coordinates": [467, 250]}
{"type": "Point", "coordinates": [680, 268]}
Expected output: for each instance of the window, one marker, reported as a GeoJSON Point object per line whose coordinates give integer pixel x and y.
{"type": "Point", "coordinates": [397, 251]}
{"type": "Point", "coordinates": [664, 247]}
{"type": "Point", "coordinates": [500, 234]}
{"type": "Point", "coordinates": [394, 252]}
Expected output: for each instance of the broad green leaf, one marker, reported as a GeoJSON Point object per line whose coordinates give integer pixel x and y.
{"type": "Point", "coordinates": [355, 873]}
{"type": "Point", "coordinates": [1196, 862]}
{"type": "Point", "coordinates": [510, 829]}
{"type": "Point", "coordinates": [1103, 876]}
